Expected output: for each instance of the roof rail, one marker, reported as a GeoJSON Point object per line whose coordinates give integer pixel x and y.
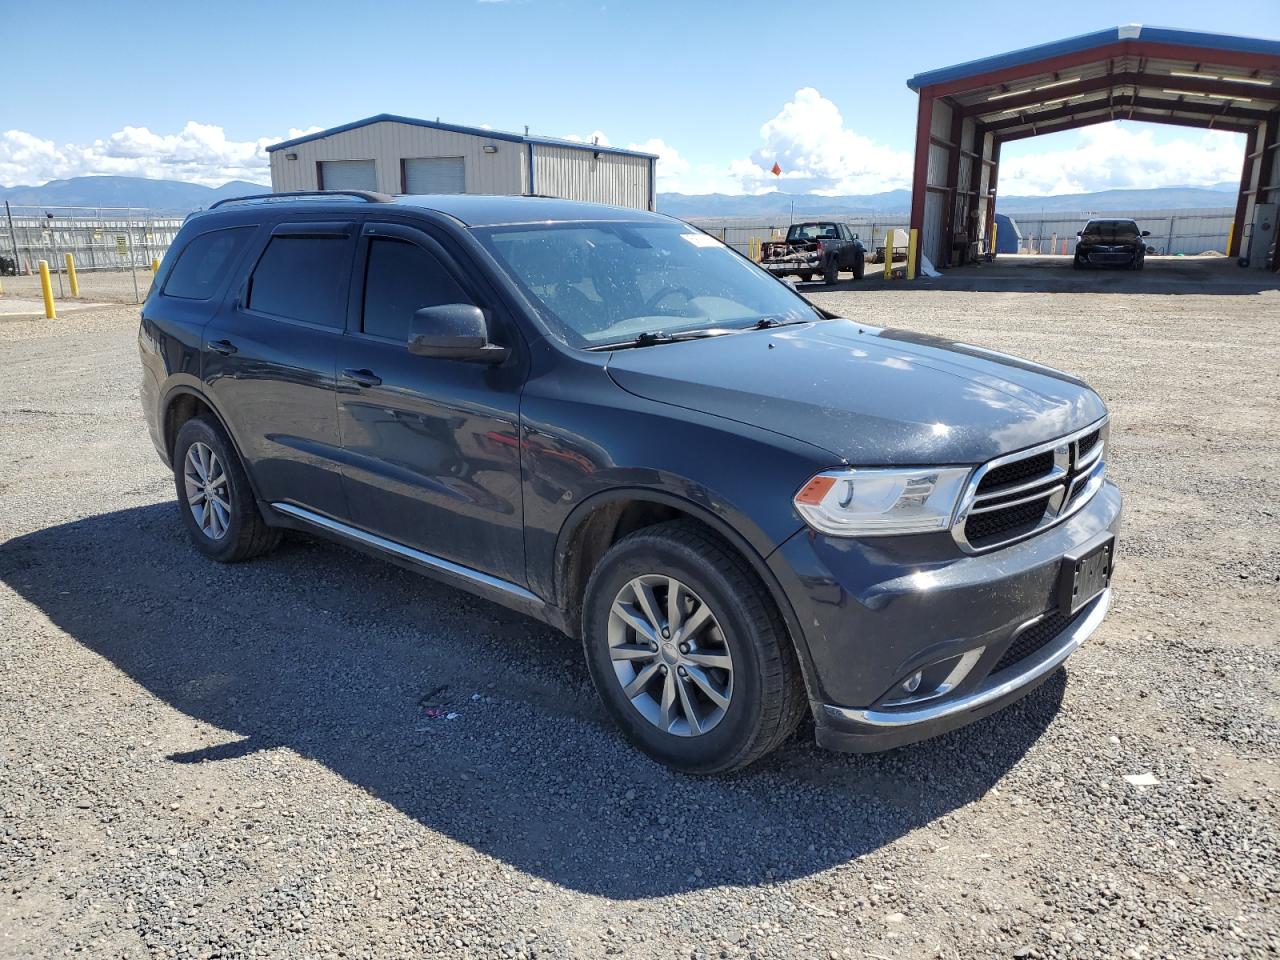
{"type": "Point", "coordinates": [368, 196]}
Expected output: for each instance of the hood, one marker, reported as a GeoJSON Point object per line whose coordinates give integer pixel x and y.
{"type": "Point", "coordinates": [871, 397]}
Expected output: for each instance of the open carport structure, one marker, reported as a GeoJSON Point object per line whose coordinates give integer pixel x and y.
{"type": "Point", "coordinates": [1131, 72]}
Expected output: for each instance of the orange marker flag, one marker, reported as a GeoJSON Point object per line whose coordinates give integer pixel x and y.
{"type": "Point", "coordinates": [777, 170]}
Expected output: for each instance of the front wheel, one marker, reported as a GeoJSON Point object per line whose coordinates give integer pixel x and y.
{"type": "Point", "coordinates": [688, 653]}
{"type": "Point", "coordinates": [860, 267]}
{"type": "Point", "coordinates": [217, 503]}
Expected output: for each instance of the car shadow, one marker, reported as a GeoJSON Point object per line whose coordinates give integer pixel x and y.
{"type": "Point", "coordinates": [357, 665]}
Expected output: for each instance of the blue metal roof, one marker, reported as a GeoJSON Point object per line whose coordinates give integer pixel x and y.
{"type": "Point", "coordinates": [1088, 41]}
{"type": "Point", "coordinates": [455, 128]}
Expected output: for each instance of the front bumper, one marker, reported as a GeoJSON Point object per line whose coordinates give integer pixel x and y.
{"type": "Point", "coordinates": [875, 611]}
{"type": "Point", "coordinates": [869, 730]}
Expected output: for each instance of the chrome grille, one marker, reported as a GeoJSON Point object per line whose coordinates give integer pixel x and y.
{"type": "Point", "coordinates": [1018, 495]}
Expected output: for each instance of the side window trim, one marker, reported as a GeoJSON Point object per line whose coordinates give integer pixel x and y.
{"type": "Point", "coordinates": [378, 229]}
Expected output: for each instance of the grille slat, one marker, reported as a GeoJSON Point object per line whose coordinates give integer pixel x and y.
{"type": "Point", "coordinates": [1014, 499]}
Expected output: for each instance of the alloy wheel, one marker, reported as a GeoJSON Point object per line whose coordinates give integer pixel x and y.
{"type": "Point", "coordinates": [670, 655]}
{"type": "Point", "coordinates": [208, 493]}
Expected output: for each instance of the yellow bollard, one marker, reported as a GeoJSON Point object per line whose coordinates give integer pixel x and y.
{"type": "Point", "coordinates": [71, 276]}
{"type": "Point", "coordinates": [46, 287]}
{"type": "Point", "coordinates": [995, 229]}
{"type": "Point", "coordinates": [1231, 235]}
{"type": "Point", "coordinates": [888, 254]}
{"type": "Point", "coordinates": [913, 242]}
{"type": "Point", "coordinates": [155, 265]}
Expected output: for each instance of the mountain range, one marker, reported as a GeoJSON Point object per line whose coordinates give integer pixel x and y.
{"type": "Point", "coordinates": [179, 197]}
{"type": "Point", "coordinates": [163, 196]}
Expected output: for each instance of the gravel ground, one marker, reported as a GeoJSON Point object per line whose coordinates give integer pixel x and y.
{"type": "Point", "coordinates": [207, 761]}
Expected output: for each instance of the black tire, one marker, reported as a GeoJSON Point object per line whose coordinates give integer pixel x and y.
{"type": "Point", "coordinates": [831, 272]}
{"type": "Point", "coordinates": [767, 699]}
{"type": "Point", "coordinates": [860, 267]}
{"type": "Point", "coordinates": [246, 534]}
{"type": "Point", "coordinates": [806, 277]}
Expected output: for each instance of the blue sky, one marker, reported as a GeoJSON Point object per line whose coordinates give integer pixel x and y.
{"type": "Point", "coordinates": [696, 81]}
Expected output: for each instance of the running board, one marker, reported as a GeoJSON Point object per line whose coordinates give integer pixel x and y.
{"type": "Point", "coordinates": [482, 584]}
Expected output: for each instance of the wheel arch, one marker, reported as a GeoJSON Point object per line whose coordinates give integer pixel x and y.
{"type": "Point", "coordinates": [601, 520]}
{"type": "Point", "coordinates": [181, 404]}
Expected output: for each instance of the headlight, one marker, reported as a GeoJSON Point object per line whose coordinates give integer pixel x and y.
{"type": "Point", "coordinates": [875, 503]}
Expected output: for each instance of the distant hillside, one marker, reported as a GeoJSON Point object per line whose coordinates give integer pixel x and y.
{"type": "Point", "coordinates": [176, 196]}
{"type": "Point", "coordinates": [719, 205]}
{"type": "Point", "coordinates": [167, 196]}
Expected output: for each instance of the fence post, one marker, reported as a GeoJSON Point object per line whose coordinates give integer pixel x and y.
{"type": "Point", "coordinates": [71, 276]}
{"type": "Point", "coordinates": [46, 288]}
{"type": "Point", "coordinates": [13, 237]}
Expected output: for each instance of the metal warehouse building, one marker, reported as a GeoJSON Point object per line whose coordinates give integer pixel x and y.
{"type": "Point", "coordinates": [394, 155]}
{"type": "Point", "coordinates": [1132, 72]}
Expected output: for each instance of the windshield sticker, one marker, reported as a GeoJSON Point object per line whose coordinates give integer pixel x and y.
{"type": "Point", "coordinates": [701, 240]}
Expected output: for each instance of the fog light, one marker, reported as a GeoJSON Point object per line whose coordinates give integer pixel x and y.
{"type": "Point", "coordinates": [912, 683]}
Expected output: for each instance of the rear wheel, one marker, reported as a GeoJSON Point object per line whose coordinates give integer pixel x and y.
{"type": "Point", "coordinates": [687, 652]}
{"type": "Point", "coordinates": [216, 501]}
{"type": "Point", "coordinates": [1077, 262]}
{"type": "Point", "coordinates": [831, 273]}
{"type": "Point", "coordinates": [806, 277]}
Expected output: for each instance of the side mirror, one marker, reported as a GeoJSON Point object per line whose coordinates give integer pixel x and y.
{"type": "Point", "coordinates": [1146, 233]}
{"type": "Point", "coordinates": [856, 237]}
{"type": "Point", "coordinates": [454, 331]}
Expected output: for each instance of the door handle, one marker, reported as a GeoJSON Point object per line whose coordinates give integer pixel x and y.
{"type": "Point", "coordinates": [224, 347]}
{"type": "Point", "coordinates": [362, 377]}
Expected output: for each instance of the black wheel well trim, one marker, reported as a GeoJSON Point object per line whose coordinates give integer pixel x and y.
{"type": "Point", "coordinates": [583, 512]}
{"type": "Point", "coordinates": [181, 390]}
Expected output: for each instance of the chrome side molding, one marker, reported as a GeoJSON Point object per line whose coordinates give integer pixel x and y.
{"type": "Point", "coordinates": [431, 562]}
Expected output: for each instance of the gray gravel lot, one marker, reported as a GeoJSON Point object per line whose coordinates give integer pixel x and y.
{"type": "Point", "coordinates": [207, 761]}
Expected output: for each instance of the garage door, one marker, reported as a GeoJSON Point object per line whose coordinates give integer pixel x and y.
{"type": "Point", "coordinates": [435, 175]}
{"type": "Point", "coordinates": [348, 175]}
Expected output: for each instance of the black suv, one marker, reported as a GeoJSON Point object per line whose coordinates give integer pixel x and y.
{"type": "Point", "coordinates": [747, 508]}
{"type": "Point", "coordinates": [1111, 243]}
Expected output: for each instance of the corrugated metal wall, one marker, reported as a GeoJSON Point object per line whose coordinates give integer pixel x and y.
{"type": "Point", "coordinates": [931, 239]}
{"type": "Point", "coordinates": [574, 174]}
{"type": "Point", "coordinates": [577, 175]}
{"type": "Point", "coordinates": [389, 143]}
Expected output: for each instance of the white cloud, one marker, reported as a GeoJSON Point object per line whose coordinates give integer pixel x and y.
{"type": "Point", "coordinates": [1119, 155]}
{"type": "Point", "coordinates": [198, 153]}
{"type": "Point", "coordinates": [819, 154]}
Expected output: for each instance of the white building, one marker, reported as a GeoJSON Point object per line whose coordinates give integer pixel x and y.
{"type": "Point", "coordinates": [402, 155]}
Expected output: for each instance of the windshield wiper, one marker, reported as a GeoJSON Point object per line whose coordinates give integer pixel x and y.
{"type": "Point", "coordinates": [765, 323]}
{"type": "Point", "coordinates": [651, 337]}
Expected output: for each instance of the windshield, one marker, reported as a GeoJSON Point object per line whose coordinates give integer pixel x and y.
{"type": "Point", "coordinates": [1111, 229]}
{"type": "Point", "coordinates": [611, 282]}
{"type": "Point", "coordinates": [814, 231]}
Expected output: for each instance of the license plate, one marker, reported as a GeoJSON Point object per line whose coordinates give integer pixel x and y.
{"type": "Point", "coordinates": [1084, 576]}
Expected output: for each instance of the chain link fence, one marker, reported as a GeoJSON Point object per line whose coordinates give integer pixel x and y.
{"type": "Point", "coordinates": [1185, 232]}
{"type": "Point", "coordinates": [117, 239]}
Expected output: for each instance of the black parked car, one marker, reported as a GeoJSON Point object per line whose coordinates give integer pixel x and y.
{"type": "Point", "coordinates": [1112, 243]}
{"type": "Point", "coordinates": [746, 507]}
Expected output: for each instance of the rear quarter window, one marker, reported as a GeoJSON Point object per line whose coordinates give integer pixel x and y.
{"type": "Point", "coordinates": [205, 262]}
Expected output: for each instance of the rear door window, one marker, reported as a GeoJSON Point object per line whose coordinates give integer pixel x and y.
{"type": "Point", "coordinates": [302, 278]}
{"type": "Point", "coordinates": [205, 262]}
{"type": "Point", "coordinates": [402, 277]}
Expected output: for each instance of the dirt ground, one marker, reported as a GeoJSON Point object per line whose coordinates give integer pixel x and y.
{"type": "Point", "coordinates": [214, 761]}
